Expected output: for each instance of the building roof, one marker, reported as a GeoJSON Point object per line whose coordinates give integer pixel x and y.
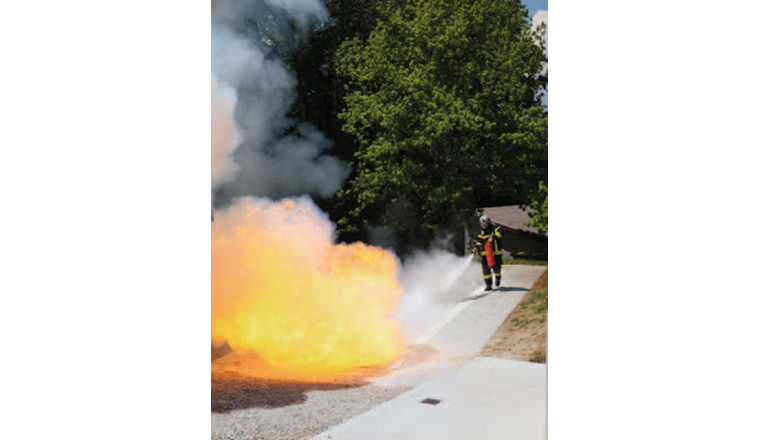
{"type": "Point", "coordinates": [512, 217]}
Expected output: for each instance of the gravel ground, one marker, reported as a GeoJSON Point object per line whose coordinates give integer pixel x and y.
{"type": "Point", "coordinates": [275, 410]}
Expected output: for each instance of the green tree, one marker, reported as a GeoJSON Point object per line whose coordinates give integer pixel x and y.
{"type": "Point", "coordinates": [320, 90]}
{"type": "Point", "coordinates": [444, 105]}
{"type": "Point", "coordinates": [539, 217]}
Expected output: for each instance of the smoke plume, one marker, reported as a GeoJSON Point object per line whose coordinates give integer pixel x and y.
{"type": "Point", "coordinates": [433, 282]}
{"type": "Point", "coordinates": [288, 301]}
{"type": "Point", "coordinates": [251, 91]}
{"type": "Point", "coordinates": [225, 135]}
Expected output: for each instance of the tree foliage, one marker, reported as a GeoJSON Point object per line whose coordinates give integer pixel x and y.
{"type": "Point", "coordinates": [320, 90]}
{"type": "Point", "coordinates": [443, 103]}
{"type": "Point", "coordinates": [539, 217]}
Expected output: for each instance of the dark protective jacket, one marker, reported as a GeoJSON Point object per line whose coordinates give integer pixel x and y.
{"type": "Point", "coordinates": [485, 234]}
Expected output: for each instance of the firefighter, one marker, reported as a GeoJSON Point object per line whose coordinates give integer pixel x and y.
{"type": "Point", "coordinates": [490, 233]}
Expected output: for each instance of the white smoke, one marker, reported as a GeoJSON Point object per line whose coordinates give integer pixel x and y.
{"type": "Point", "coordinates": [301, 10]}
{"type": "Point", "coordinates": [433, 283]}
{"type": "Point", "coordinates": [225, 135]}
{"type": "Point", "coordinates": [250, 95]}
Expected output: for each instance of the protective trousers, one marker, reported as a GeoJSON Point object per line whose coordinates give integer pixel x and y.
{"type": "Point", "coordinates": [487, 271]}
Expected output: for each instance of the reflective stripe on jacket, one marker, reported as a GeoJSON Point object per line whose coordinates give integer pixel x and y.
{"type": "Point", "coordinates": [483, 237]}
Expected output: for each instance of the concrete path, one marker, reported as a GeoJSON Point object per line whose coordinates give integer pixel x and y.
{"type": "Point", "coordinates": [460, 335]}
{"type": "Point", "coordinates": [470, 397]}
{"type": "Point", "coordinates": [484, 399]}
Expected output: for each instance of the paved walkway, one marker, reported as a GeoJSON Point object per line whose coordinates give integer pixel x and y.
{"type": "Point", "coordinates": [458, 395]}
{"type": "Point", "coordinates": [486, 398]}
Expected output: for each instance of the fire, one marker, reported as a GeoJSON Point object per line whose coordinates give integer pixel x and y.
{"type": "Point", "coordinates": [303, 306]}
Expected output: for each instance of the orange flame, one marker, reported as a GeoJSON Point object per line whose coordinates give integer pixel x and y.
{"type": "Point", "coordinates": [307, 308]}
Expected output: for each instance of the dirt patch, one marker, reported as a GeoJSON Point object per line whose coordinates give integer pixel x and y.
{"type": "Point", "coordinates": [522, 335]}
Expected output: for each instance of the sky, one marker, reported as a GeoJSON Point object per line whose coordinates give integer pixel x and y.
{"type": "Point", "coordinates": [533, 7]}
{"type": "Point", "coordinates": [536, 5]}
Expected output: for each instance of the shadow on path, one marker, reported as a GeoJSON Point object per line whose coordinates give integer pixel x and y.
{"type": "Point", "coordinates": [498, 289]}
{"type": "Point", "coordinates": [232, 391]}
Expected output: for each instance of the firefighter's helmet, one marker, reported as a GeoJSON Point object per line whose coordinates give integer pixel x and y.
{"type": "Point", "coordinates": [485, 221]}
